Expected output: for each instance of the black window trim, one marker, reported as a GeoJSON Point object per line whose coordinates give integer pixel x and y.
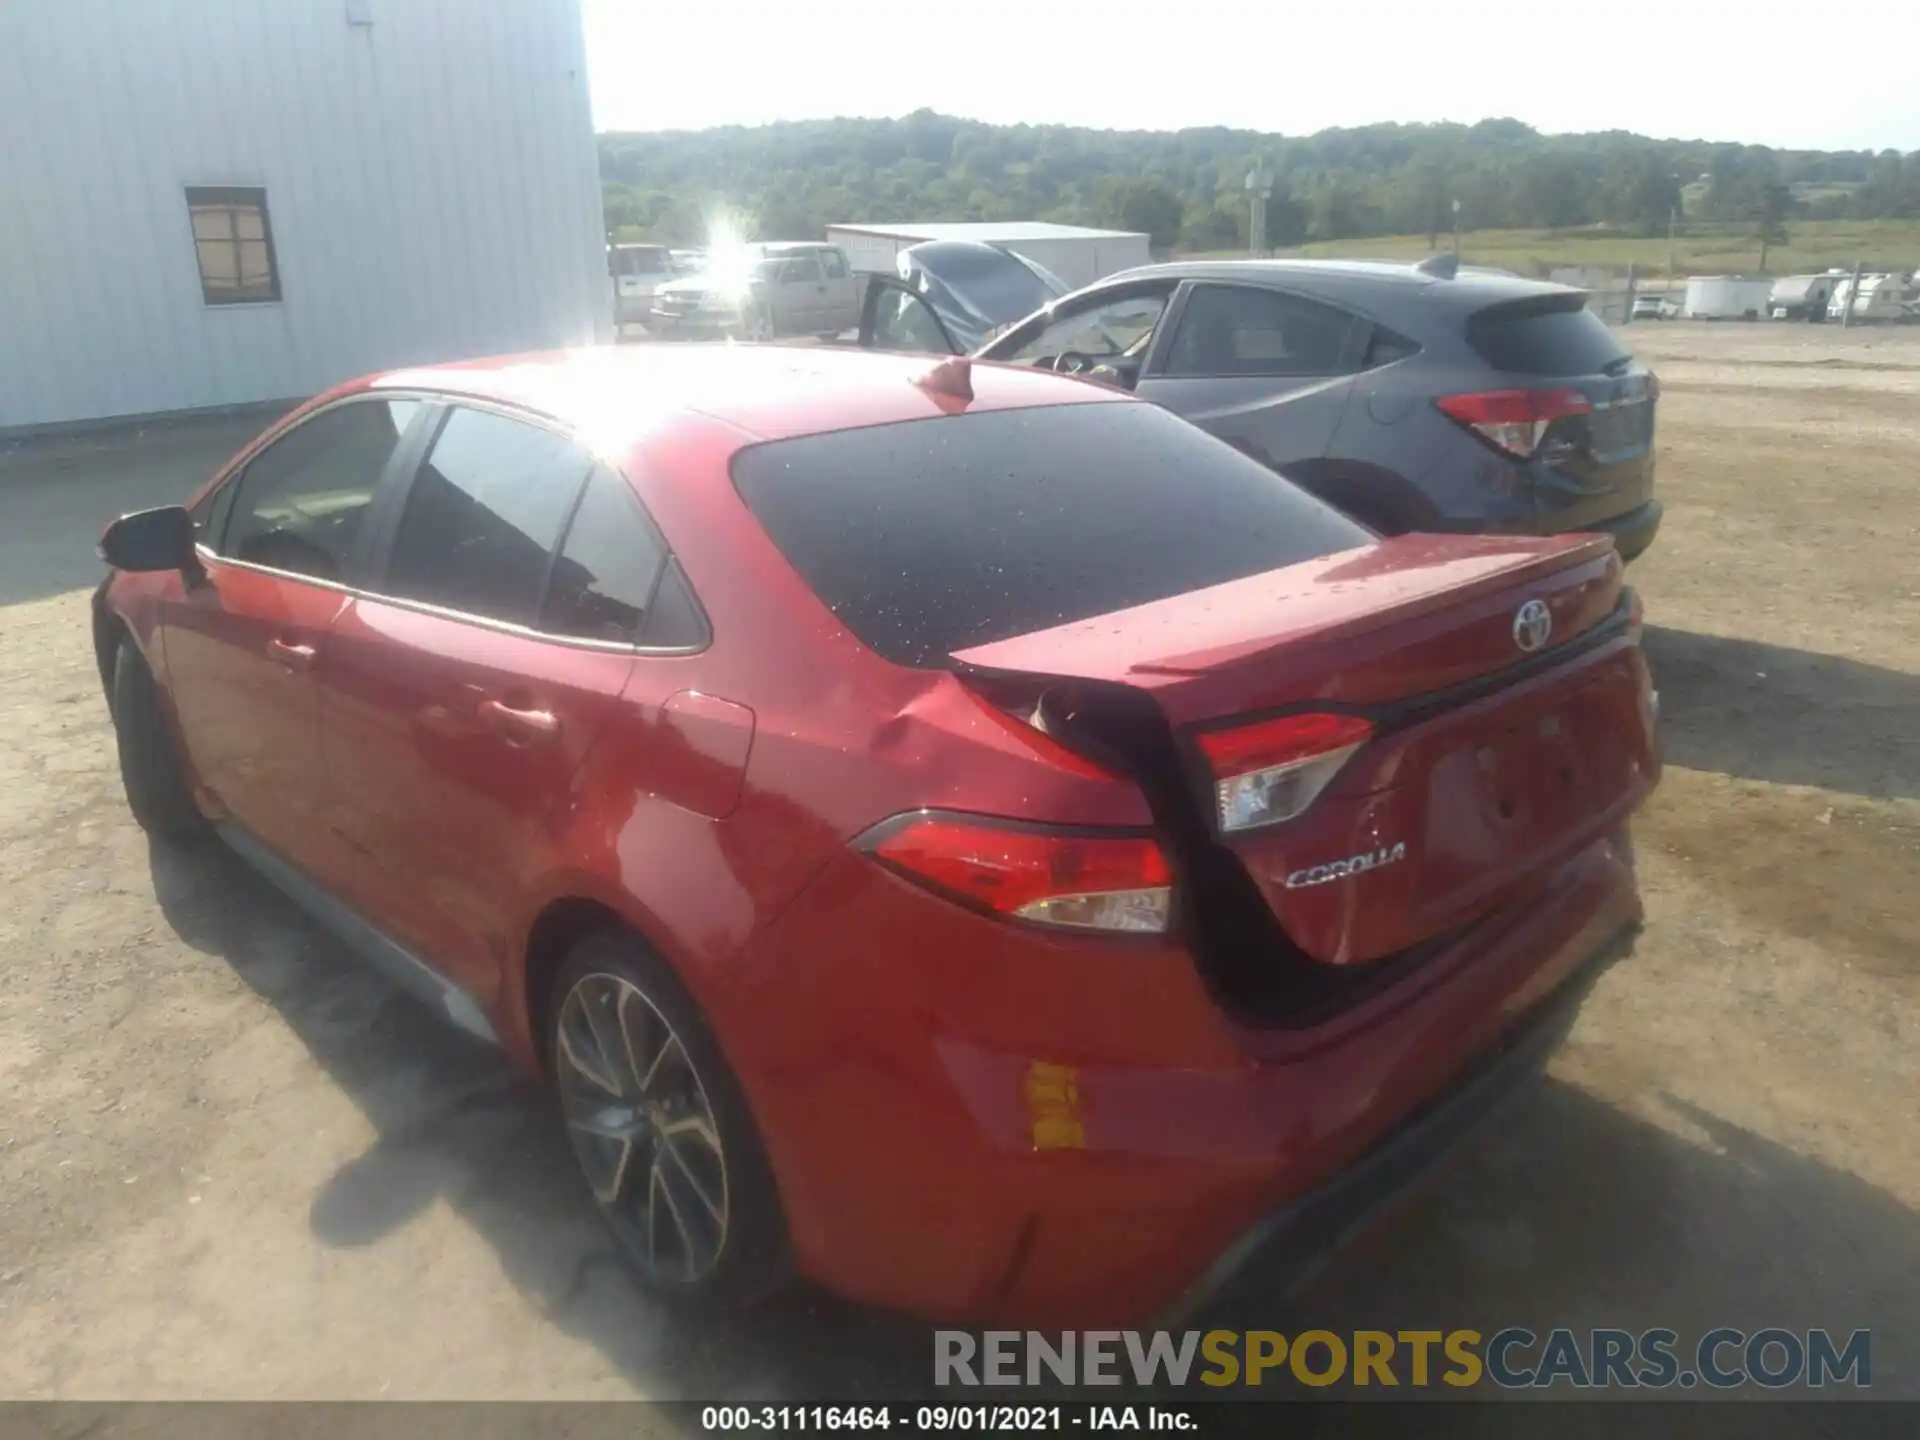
{"type": "Point", "coordinates": [234, 195]}
{"type": "Point", "coordinates": [1353, 344]}
{"type": "Point", "coordinates": [387, 525]}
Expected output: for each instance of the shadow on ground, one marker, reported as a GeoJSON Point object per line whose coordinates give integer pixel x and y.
{"type": "Point", "coordinates": [58, 493]}
{"type": "Point", "coordinates": [1568, 1213]}
{"type": "Point", "coordinates": [1796, 717]}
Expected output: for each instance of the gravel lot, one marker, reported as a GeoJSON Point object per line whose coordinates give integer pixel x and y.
{"type": "Point", "coordinates": [233, 1164]}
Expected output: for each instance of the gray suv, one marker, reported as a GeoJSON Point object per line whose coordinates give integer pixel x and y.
{"type": "Point", "coordinates": [1413, 397]}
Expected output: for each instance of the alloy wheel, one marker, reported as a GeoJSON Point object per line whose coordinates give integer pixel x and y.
{"type": "Point", "coordinates": [643, 1128]}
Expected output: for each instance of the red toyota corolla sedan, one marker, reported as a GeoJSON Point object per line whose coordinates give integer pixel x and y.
{"type": "Point", "coordinates": [960, 835]}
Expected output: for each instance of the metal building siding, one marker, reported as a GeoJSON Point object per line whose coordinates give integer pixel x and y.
{"type": "Point", "coordinates": [432, 189]}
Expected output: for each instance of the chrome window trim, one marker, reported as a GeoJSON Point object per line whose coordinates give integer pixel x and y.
{"type": "Point", "coordinates": [485, 622]}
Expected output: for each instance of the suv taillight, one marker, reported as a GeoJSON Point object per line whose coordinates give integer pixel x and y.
{"type": "Point", "coordinates": [1513, 421]}
{"type": "Point", "coordinates": [1273, 770]}
{"type": "Point", "coordinates": [1067, 879]}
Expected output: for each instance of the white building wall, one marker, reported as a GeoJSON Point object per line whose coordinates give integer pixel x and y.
{"type": "Point", "coordinates": [431, 177]}
{"type": "Point", "coordinates": [1082, 260]}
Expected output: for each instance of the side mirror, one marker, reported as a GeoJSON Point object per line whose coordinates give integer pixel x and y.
{"type": "Point", "coordinates": [159, 539]}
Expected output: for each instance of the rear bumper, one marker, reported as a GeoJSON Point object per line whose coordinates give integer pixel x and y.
{"type": "Point", "coordinates": [973, 1123]}
{"type": "Point", "coordinates": [1632, 532]}
{"type": "Point", "coordinates": [1282, 1252]}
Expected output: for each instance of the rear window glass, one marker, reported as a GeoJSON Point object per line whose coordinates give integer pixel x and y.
{"type": "Point", "coordinates": [930, 536]}
{"type": "Point", "coordinates": [1554, 336]}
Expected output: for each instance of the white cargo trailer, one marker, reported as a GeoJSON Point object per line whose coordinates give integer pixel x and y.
{"type": "Point", "coordinates": [1801, 297]}
{"type": "Point", "coordinates": [1882, 297]}
{"type": "Point", "coordinates": [1728, 297]}
{"type": "Point", "coordinates": [1076, 254]}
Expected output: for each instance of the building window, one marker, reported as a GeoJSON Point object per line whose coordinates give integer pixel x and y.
{"type": "Point", "coordinates": [234, 243]}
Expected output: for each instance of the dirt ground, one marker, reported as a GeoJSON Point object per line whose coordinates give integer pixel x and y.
{"type": "Point", "coordinates": [233, 1164]}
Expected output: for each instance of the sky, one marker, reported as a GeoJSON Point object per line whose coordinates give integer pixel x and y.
{"type": "Point", "coordinates": [1839, 75]}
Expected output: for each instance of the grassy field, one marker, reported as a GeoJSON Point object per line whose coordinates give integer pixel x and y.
{"type": "Point", "coordinates": [1702, 250]}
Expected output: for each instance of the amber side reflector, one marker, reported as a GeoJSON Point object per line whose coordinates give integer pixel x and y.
{"type": "Point", "coordinates": [1052, 1094]}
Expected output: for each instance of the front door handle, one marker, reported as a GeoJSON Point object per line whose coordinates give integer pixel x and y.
{"type": "Point", "coordinates": [519, 726]}
{"type": "Point", "coordinates": [294, 657]}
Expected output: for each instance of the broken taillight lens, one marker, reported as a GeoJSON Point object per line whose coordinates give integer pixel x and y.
{"type": "Point", "coordinates": [1272, 771]}
{"type": "Point", "coordinates": [1513, 421]}
{"type": "Point", "coordinates": [1070, 879]}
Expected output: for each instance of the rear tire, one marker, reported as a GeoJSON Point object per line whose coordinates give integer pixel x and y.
{"type": "Point", "coordinates": [150, 772]}
{"type": "Point", "coordinates": [660, 1129]}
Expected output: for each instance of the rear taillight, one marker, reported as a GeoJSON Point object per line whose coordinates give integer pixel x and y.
{"type": "Point", "coordinates": [1514, 421]}
{"type": "Point", "coordinates": [1272, 771]}
{"type": "Point", "coordinates": [1063, 878]}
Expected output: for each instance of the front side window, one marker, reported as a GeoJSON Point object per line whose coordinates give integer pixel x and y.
{"type": "Point", "coordinates": [834, 263]}
{"type": "Point", "coordinates": [643, 261]}
{"type": "Point", "coordinates": [484, 514]}
{"type": "Point", "coordinates": [233, 241]}
{"type": "Point", "coordinates": [1240, 330]}
{"type": "Point", "coordinates": [802, 268]}
{"type": "Point", "coordinates": [1109, 330]}
{"type": "Point", "coordinates": [301, 504]}
{"type": "Point", "coordinates": [902, 321]}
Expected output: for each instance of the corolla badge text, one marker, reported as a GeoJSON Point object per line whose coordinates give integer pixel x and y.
{"type": "Point", "coordinates": [1341, 869]}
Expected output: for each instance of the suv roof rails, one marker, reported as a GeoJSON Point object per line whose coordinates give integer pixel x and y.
{"type": "Point", "coordinates": [1443, 266]}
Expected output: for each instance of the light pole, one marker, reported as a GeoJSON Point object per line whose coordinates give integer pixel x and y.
{"type": "Point", "coordinates": [1456, 229]}
{"type": "Point", "coordinates": [1259, 188]}
{"type": "Point", "coordinates": [1673, 226]}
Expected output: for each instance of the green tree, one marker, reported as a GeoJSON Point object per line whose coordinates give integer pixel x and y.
{"type": "Point", "coordinates": [1333, 212]}
{"type": "Point", "coordinates": [1213, 226]}
{"type": "Point", "coordinates": [1378, 179]}
{"type": "Point", "coordinates": [1151, 206]}
{"type": "Point", "coordinates": [1286, 217]}
{"type": "Point", "coordinates": [1769, 212]}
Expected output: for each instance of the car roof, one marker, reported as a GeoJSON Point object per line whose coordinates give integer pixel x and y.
{"type": "Point", "coordinates": [612, 395]}
{"type": "Point", "coordinates": [1357, 280]}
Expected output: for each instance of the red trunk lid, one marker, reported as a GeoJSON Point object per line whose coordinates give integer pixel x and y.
{"type": "Point", "coordinates": [1488, 762]}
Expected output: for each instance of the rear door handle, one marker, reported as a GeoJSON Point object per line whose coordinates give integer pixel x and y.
{"type": "Point", "coordinates": [294, 657]}
{"type": "Point", "coordinates": [520, 726]}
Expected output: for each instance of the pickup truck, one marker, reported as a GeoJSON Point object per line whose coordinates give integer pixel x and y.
{"type": "Point", "coordinates": [767, 291]}
{"type": "Point", "coordinates": [638, 271]}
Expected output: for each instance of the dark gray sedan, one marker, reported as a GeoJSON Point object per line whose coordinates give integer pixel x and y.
{"type": "Point", "coordinates": [1413, 397]}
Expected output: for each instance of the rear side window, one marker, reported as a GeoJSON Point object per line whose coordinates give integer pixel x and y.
{"type": "Point", "coordinates": [608, 567]}
{"type": "Point", "coordinates": [1386, 347]}
{"type": "Point", "coordinates": [1553, 335]}
{"type": "Point", "coordinates": [1229, 330]}
{"type": "Point", "coordinates": [929, 536]}
{"type": "Point", "coordinates": [483, 516]}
